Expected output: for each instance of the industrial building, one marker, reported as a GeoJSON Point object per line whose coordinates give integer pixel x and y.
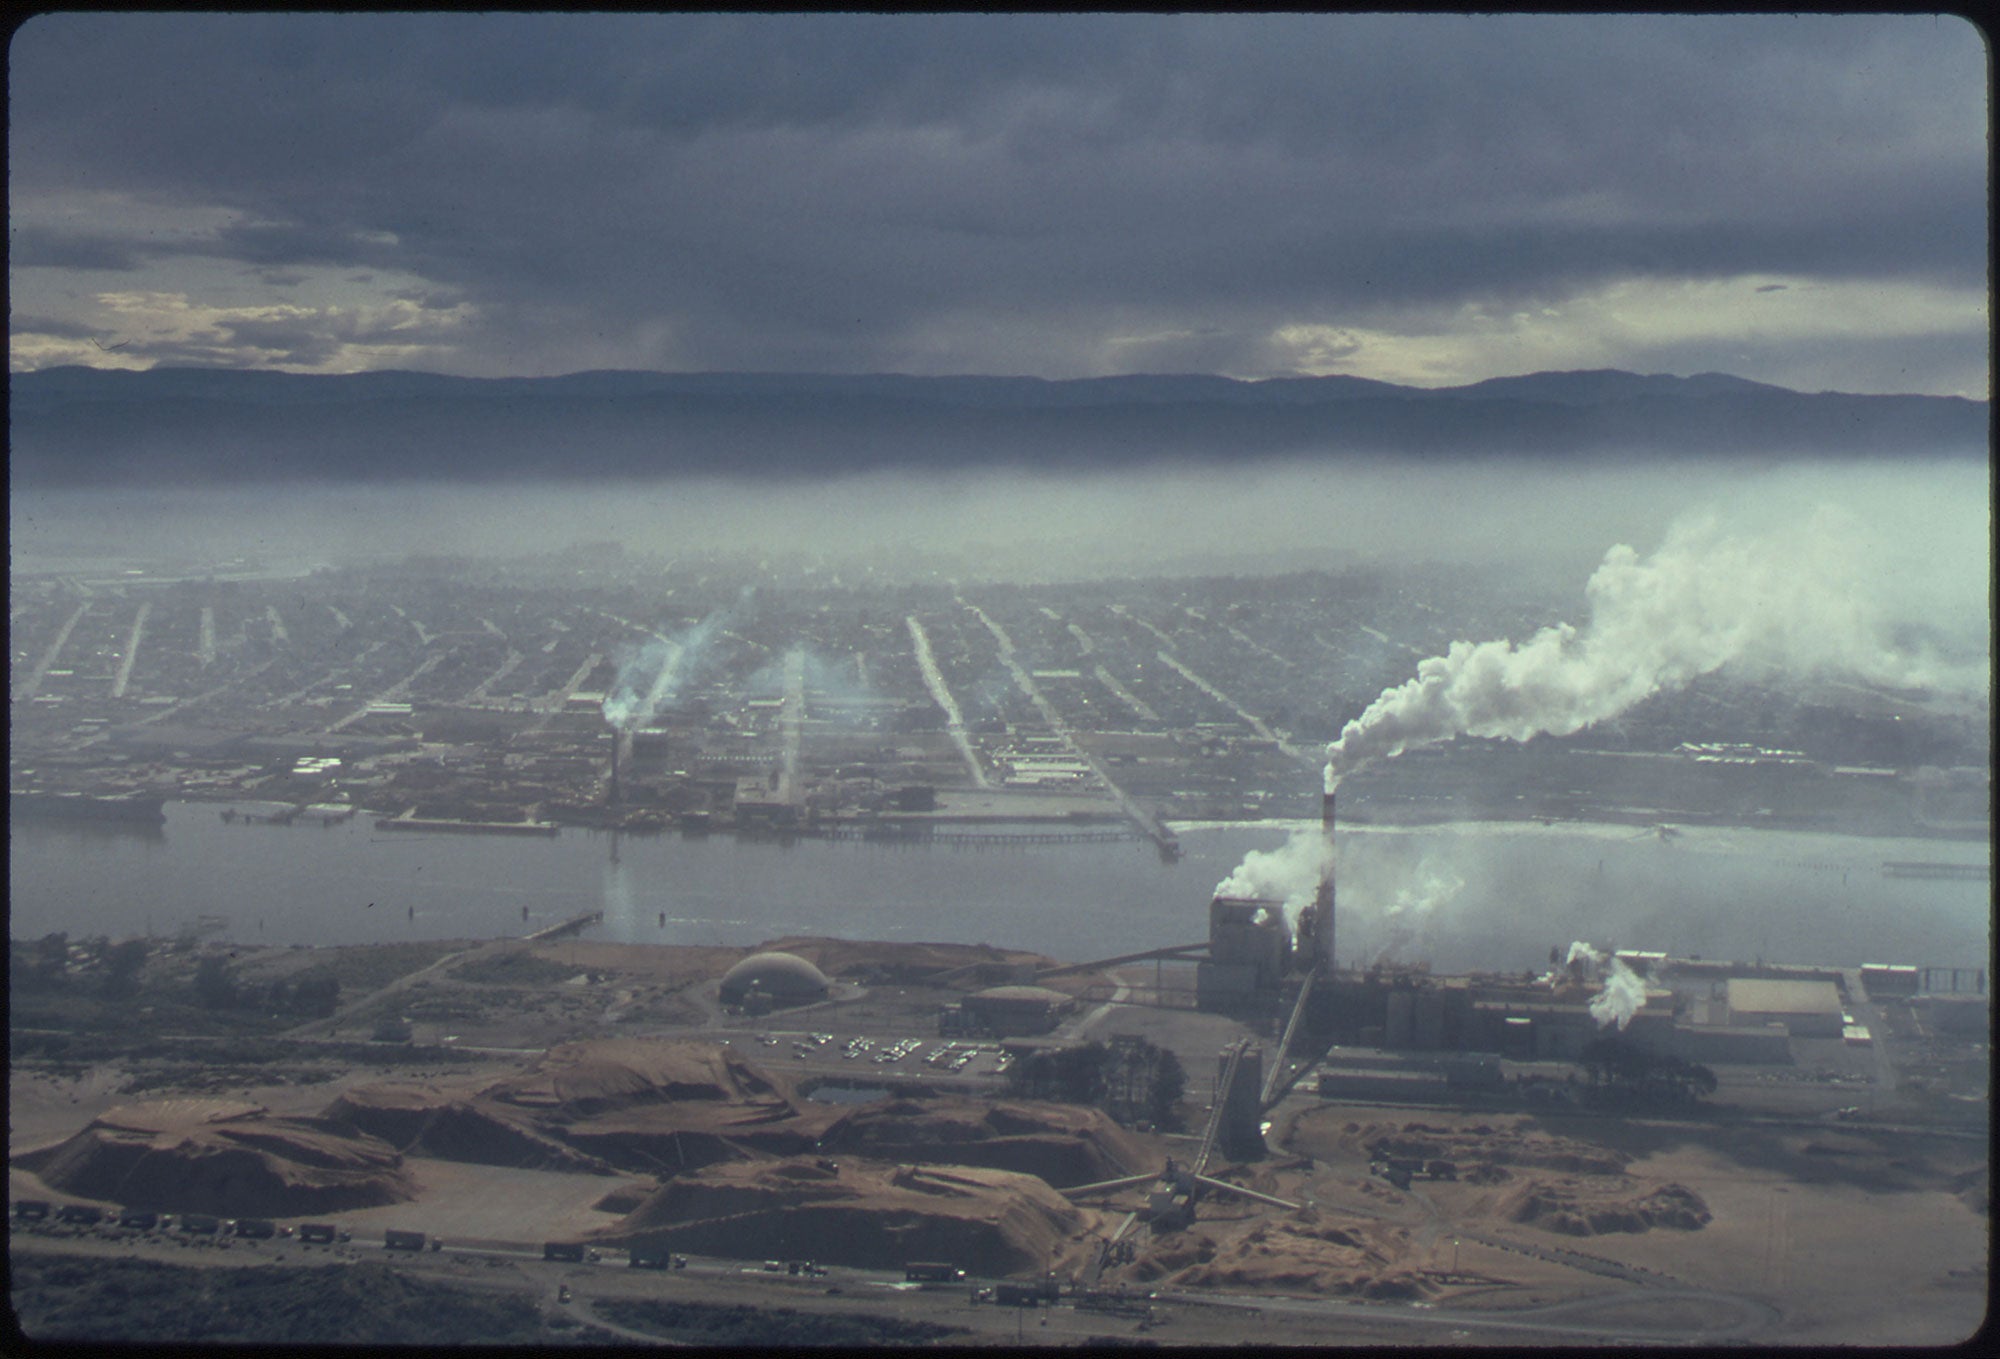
{"type": "Point", "coordinates": [1248, 948]}
{"type": "Point", "coordinates": [1807, 1009]}
{"type": "Point", "coordinates": [1252, 959]}
{"type": "Point", "coordinates": [1007, 1010]}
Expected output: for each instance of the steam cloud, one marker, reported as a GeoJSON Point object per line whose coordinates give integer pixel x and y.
{"type": "Point", "coordinates": [1623, 991]}
{"type": "Point", "coordinates": [650, 677]}
{"type": "Point", "coordinates": [1623, 995]}
{"type": "Point", "coordinates": [1290, 873]}
{"type": "Point", "coordinates": [1592, 961]}
{"type": "Point", "coordinates": [1408, 916]}
{"type": "Point", "coordinates": [1702, 601]}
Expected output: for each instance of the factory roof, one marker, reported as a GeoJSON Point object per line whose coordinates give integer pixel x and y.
{"type": "Point", "coordinates": [1756, 995]}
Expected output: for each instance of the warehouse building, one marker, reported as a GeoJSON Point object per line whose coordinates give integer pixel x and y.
{"type": "Point", "coordinates": [1016, 1009]}
{"type": "Point", "coordinates": [1807, 1009]}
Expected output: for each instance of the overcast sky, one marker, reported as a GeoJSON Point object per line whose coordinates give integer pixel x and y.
{"type": "Point", "coordinates": [1432, 200]}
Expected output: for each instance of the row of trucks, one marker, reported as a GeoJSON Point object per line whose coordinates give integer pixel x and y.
{"type": "Point", "coordinates": [1007, 1293]}
{"type": "Point", "coordinates": [193, 1224]}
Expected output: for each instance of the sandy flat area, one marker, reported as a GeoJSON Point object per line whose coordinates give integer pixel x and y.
{"type": "Point", "coordinates": [1846, 1265]}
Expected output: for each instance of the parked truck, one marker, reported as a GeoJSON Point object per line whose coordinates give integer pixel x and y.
{"type": "Point", "coordinates": [931, 1271]}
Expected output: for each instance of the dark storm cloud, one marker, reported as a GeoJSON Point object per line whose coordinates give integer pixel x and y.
{"type": "Point", "coordinates": [865, 191]}
{"type": "Point", "coordinates": [32, 247]}
{"type": "Point", "coordinates": [52, 325]}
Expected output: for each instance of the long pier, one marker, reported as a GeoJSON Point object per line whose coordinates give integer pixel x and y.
{"type": "Point", "coordinates": [926, 835]}
{"type": "Point", "coordinates": [447, 826]}
{"type": "Point", "coordinates": [570, 926]}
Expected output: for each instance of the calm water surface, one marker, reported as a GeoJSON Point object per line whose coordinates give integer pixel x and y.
{"type": "Point", "coordinates": [1475, 895]}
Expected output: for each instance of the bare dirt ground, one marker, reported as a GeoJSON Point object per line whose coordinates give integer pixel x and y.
{"type": "Point", "coordinates": [1814, 1234]}
{"type": "Point", "coordinates": [1800, 1221]}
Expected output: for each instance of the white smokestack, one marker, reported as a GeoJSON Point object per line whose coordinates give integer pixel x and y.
{"type": "Point", "coordinates": [1799, 601]}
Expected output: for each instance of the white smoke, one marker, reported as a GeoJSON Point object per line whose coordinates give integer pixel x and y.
{"type": "Point", "coordinates": [1592, 960]}
{"type": "Point", "coordinates": [1797, 600]}
{"type": "Point", "coordinates": [1623, 996]}
{"type": "Point", "coordinates": [1622, 992]}
{"type": "Point", "coordinates": [650, 676]}
{"type": "Point", "coordinates": [1408, 916]}
{"type": "Point", "coordinates": [1290, 873]}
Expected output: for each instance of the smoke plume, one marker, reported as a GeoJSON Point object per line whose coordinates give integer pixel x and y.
{"type": "Point", "coordinates": [1622, 992]}
{"type": "Point", "coordinates": [1590, 960]}
{"type": "Point", "coordinates": [651, 676]}
{"type": "Point", "coordinates": [1408, 916]}
{"type": "Point", "coordinates": [1623, 995]}
{"type": "Point", "coordinates": [1290, 873]}
{"type": "Point", "coordinates": [1798, 601]}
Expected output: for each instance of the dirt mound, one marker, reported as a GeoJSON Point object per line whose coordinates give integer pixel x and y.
{"type": "Point", "coordinates": [581, 1080]}
{"type": "Point", "coordinates": [1494, 1146]}
{"type": "Point", "coordinates": [1574, 1209]}
{"type": "Point", "coordinates": [689, 1136]}
{"type": "Point", "coordinates": [1305, 1254]}
{"type": "Point", "coordinates": [199, 1156]}
{"type": "Point", "coordinates": [990, 1222]}
{"type": "Point", "coordinates": [1063, 1144]}
{"type": "Point", "coordinates": [595, 1106]}
{"type": "Point", "coordinates": [421, 1120]}
{"type": "Point", "coordinates": [878, 964]}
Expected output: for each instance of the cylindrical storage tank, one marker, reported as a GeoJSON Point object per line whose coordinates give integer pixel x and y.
{"type": "Point", "coordinates": [1400, 1030]}
{"type": "Point", "coordinates": [1430, 1020]}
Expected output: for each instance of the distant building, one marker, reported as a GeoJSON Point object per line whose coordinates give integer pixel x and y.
{"type": "Point", "coordinates": [1807, 1009]}
{"type": "Point", "coordinates": [1016, 1009]}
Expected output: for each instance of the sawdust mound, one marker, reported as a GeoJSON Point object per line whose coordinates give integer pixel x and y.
{"type": "Point", "coordinates": [581, 1080]}
{"type": "Point", "coordinates": [1304, 1254]}
{"type": "Point", "coordinates": [880, 963]}
{"type": "Point", "coordinates": [595, 1106]}
{"type": "Point", "coordinates": [684, 1137]}
{"type": "Point", "coordinates": [991, 1222]}
{"type": "Point", "coordinates": [1575, 1209]}
{"type": "Point", "coordinates": [421, 1120]}
{"type": "Point", "coordinates": [223, 1157]}
{"type": "Point", "coordinates": [1061, 1143]}
{"type": "Point", "coordinates": [1494, 1146]}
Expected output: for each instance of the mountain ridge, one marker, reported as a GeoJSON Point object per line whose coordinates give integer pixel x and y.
{"type": "Point", "coordinates": [76, 424]}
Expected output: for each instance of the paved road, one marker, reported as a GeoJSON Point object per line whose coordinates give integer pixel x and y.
{"type": "Point", "coordinates": [1649, 1315]}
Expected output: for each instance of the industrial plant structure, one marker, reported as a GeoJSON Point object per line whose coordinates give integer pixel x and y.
{"type": "Point", "coordinates": [766, 981]}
